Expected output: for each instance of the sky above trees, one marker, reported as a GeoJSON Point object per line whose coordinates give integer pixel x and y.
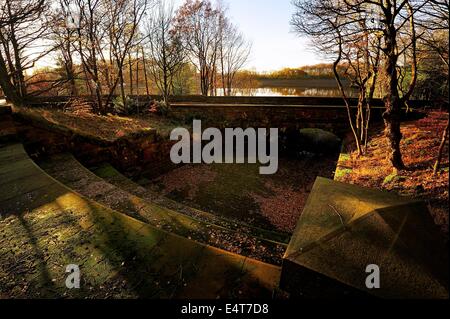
{"type": "Point", "coordinates": [266, 24]}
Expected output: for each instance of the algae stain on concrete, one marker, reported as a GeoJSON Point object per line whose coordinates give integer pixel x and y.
{"type": "Point", "coordinates": [240, 193]}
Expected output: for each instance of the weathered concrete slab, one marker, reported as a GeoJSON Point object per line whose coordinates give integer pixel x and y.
{"type": "Point", "coordinates": [344, 228]}
{"type": "Point", "coordinates": [43, 230]}
{"type": "Point", "coordinates": [114, 177]}
{"type": "Point", "coordinates": [70, 172]}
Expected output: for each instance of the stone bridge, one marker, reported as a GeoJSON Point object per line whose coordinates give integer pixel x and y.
{"type": "Point", "coordinates": [282, 112]}
{"type": "Point", "coordinates": [330, 118]}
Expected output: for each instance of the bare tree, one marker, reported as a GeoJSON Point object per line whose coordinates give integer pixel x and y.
{"type": "Point", "coordinates": [166, 50]}
{"type": "Point", "coordinates": [347, 36]}
{"type": "Point", "coordinates": [435, 24]}
{"type": "Point", "coordinates": [22, 11]}
{"type": "Point", "coordinates": [122, 25]}
{"type": "Point", "coordinates": [197, 23]}
{"type": "Point", "coordinates": [144, 64]}
{"type": "Point", "coordinates": [234, 52]}
{"type": "Point", "coordinates": [397, 19]}
{"type": "Point", "coordinates": [89, 41]}
{"type": "Point", "coordinates": [396, 27]}
{"type": "Point", "coordinates": [63, 34]}
{"type": "Point", "coordinates": [22, 23]}
{"type": "Point", "coordinates": [106, 38]}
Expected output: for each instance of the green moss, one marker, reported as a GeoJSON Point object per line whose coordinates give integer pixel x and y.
{"type": "Point", "coordinates": [228, 192]}
{"type": "Point", "coordinates": [389, 178]}
{"type": "Point", "coordinates": [344, 157]}
{"type": "Point", "coordinates": [118, 256]}
{"type": "Point", "coordinates": [392, 178]}
{"type": "Point", "coordinates": [341, 172]}
{"type": "Point", "coordinates": [106, 171]}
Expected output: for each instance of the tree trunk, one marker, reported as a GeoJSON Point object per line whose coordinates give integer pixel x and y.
{"type": "Point", "coordinates": [7, 87]}
{"type": "Point", "coordinates": [122, 86]}
{"type": "Point", "coordinates": [344, 96]}
{"type": "Point", "coordinates": [98, 92]}
{"type": "Point", "coordinates": [72, 84]}
{"type": "Point", "coordinates": [70, 73]}
{"type": "Point", "coordinates": [224, 86]}
{"type": "Point", "coordinates": [145, 72]}
{"type": "Point", "coordinates": [98, 89]}
{"type": "Point", "coordinates": [130, 70]}
{"type": "Point", "coordinates": [441, 149]}
{"type": "Point", "coordinates": [18, 68]}
{"type": "Point", "coordinates": [204, 83]}
{"type": "Point", "coordinates": [393, 104]}
{"type": "Point", "coordinates": [165, 86]}
{"type": "Point", "coordinates": [137, 73]}
{"type": "Point", "coordinates": [393, 131]}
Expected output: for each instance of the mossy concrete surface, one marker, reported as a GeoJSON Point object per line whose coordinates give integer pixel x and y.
{"type": "Point", "coordinates": [239, 192]}
{"type": "Point", "coordinates": [341, 169]}
{"type": "Point", "coordinates": [113, 176]}
{"type": "Point", "coordinates": [66, 169]}
{"type": "Point", "coordinates": [45, 226]}
{"type": "Point", "coordinates": [344, 228]}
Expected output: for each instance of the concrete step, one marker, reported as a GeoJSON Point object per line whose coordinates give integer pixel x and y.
{"type": "Point", "coordinates": [48, 226]}
{"type": "Point", "coordinates": [113, 176]}
{"type": "Point", "coordinates": [70, 172]}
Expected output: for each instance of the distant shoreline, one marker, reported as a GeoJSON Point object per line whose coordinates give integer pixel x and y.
{"type": "Point", "coordinates": [300, 83]}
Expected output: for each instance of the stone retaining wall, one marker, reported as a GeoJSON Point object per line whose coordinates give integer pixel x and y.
{"type": "Point", "coordinates": [329, 118]}
{"type": "Point", "coordinates": [269, 100]}
{"type": "Point", "coordinates": [129, 154]}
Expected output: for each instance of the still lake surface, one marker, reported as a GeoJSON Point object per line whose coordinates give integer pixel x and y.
{"type": "Point", "coordinates": [289, 91]}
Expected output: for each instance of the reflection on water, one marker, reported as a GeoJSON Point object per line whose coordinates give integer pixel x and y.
{"type": "Point", "coordinates": [286, 91]}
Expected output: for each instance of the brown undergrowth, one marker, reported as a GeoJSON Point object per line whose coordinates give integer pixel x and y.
{"type": "Point", "coordinates": [106, 127]}
{"type": "Point", "coordinates": [420, 144]}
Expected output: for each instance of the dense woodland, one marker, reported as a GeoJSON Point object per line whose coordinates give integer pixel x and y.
{"type": "Point", "coordinates": [110, 50]}
{"type": "Point", "coordinates": [117, 47]}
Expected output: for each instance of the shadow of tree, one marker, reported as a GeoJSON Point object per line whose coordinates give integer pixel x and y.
{"type": "Point", "coordinates": [156, 264]}
{"type": "Point", "coordinates": [46, 281]}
